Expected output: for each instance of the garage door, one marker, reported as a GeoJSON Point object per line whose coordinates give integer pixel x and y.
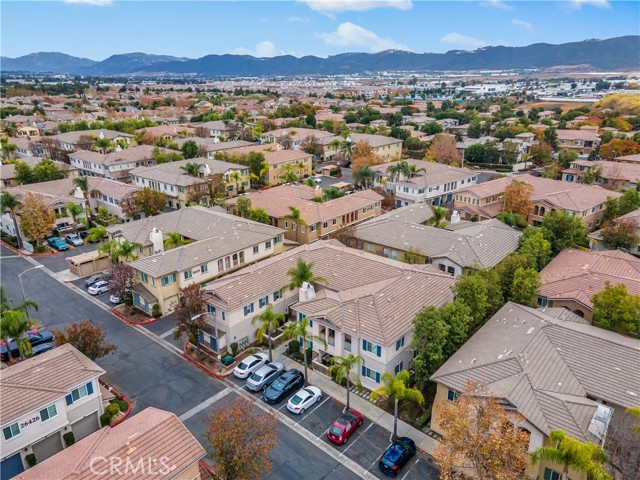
{"type": "Point", "coordinates": [85, 427]}
{"type": "Point", "coordinates": [11, 466]}
{"type": "Point", "coordinates": [47, 447]}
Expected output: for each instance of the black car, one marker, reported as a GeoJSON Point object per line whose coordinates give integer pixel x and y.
{"type": "Point", "coordinates": [98, 277]}
{"type": "Point", "coordinates": [5, 349]}
{"type": "Point", "coordinates": [35, 338]}
{"type": "Point", "coordinates": [42, 348]}
{"type": "Point", "coordinates": [396, 456]}
{"type": "Point", "coordinates": [286, 383]}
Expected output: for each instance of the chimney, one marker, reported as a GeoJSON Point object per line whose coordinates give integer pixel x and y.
{"type": "Point", "coordinates": [455, 217]}
{"type": "Point", "coordinates": [156, 239]}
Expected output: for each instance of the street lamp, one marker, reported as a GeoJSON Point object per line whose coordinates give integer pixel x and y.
{"type": "Point", "coordinates": [24, 298]}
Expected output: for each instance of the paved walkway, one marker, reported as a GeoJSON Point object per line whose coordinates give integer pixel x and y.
{"type": "Point", "coordinates": [368, 409]}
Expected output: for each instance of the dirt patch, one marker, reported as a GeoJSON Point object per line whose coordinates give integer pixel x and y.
{"type": "Point", "coordinates": [136, 317]}
{"type": "Point", "coordinates": [566, 106]}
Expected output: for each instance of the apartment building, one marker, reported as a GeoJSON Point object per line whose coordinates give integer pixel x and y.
{"type": "Point", "coordinates": [71, 141]}
{"type": "Point", "coordinates": [366, 307]}
{"type": "Point", "coordinates": [580, 141]}
{"type": "Point", "coordinates": [486, 200]}
{"type": "Point", "coordinates": [614, 175]}
{"type": "Point", "coordinates": [116, 165]}
{"type": "Point", "coordinates": [320, 218]}
{"type": "Point", "coordinates": [388, 148]}
{"type": "Point", "coordinates": [280, 162]}
{"type": "Point", "coordinates": [43, 399]}
{"type": "Point", "coordinates": [297, 136]}
{"type": "Point", "coordinates": [551, 368]}
{"type": "Point", "coordinates": [213, 145]}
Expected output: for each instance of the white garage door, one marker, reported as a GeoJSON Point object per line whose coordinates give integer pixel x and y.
{"type": "Point", "coordinates": [47, 447]}
{"type": "Point", "coordinates": [85, 427]}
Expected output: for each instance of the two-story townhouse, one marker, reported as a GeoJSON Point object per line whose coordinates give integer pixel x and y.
{"type": "Point", "coordinates": [169, 132]}
{"type": "Point", "coordinates": [116, 165]}
{"type": "Point", "coordinates": [614, 175]}
{"type": "Point", "coordinates": [216, 128]}
{"type": "Point", "coordinates": [43, 399]}
{"type": "Point", "coordinates": [233, 243]}
{"type": "Point", "coordinates": [387, 148]}
{"type": "Point", "coordinates": [28, 132]}
{"type": "Point", "coordinates": [297, 136]}
{"type": "Point", "coordinates": [580, 141]}
{"type": "Point", "coordinates": [26, 148]}
{"type": "Point", "coordinates": [586, 202]}
{"type": "Point", "coordinates": [321, 219]}
{"type": "Point", "coordinates": [634, 159]}
{"type": "Point", "coordinates": [460, 248]}
{"type": "Point", "coordinates": [181, 188]}
{"type": "Point", "coordinates": [72, 141]}
{"type": "Point", "coordinates": [281, 162]}
{"type": "Point", "coordinates": [551, 368]}
{"type": "Point", "coordinates": [433, 183]}
{"type": "Point", "coordinates": [213, 145]}
{"type": "Point", "coordinates": [366, 307]}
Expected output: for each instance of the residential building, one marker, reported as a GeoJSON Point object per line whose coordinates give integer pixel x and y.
{"type": "Point", "coordinates": [468, 141]}
{"type": "Point", "coordinates": [213, 145]}
{"type": "Point", "coordinates": [116, 165]}
{"type": "Point", "coordinates": [635, 159]}
{"type": "Point", "coordinates": [614, 175]}
{"type": "Point", "coordinates": [26, 148]}
{"type": "Point", "coordinates": [388, 148]}
{"type": "Point", "coordinates": [365, 308]}
{"type": "Point", "coordinates": [580, 141]}
{"type": "Point", "coordinates": [320, 218]}
{"type": "Point", "coordinates": [72, 141]}
{"type": "Point", "coordinates": [170, 132]}
{"type": "Point", "coordinates": [8, 170]}
{"type": "Point", "coordinates": [216, 128]}
{"type": "Point", "coordinates": [280, 162]}
{"type": "Point", "coordinates": [586, 202]}
{"type": "Point", "coordinates": [43, 398]}
{"type": "Point", "coordinates": [219, 243]}
{"type": "Point", "coordinates": [573, 277]}
{"type": "Point", "coordinates": [181, 188]}
{"type": "Point", "coordinates": [140, 444]}
{"type": "Point", "coordinates": [470, 246]}
{"type": "Point", "coordinates": [28, 131]}
{"type": "Point", "coordinates": [551, 368]}
{"type": "Point", "coordinates": [595, 238]}
{"type": "Point", "coordinates": [296, 135]}
{"type": "Point", "coordinates": [434, 184]}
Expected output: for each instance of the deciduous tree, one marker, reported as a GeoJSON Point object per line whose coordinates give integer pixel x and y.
{"type": "Point", "coordinates": [443, 149]}
{"type": "Point", "coordinates": [260, 215]}
{"type": "Point", "coordinates": [535, 247]}
{"type": "Point", "coordinates": [36, 219]}
{"type": "Point", "coordinates": [87, 337]}
{"type": "Point", "coordinates": [243, 207]}
{"type": "Point", "coordinates": [616, 309]}
{"type": "Point", "coordinates": [622, 234]}
{"type": "Point", "coordinates": [362, 155]}
{"type": "Point", "coordinates": [481, 292]}
{"type": "Point", "coordinates": [189, 314]}
{"type": "Point", "coordinates": [518, 198]}
{"type": "Point", "coordinates": [619, 147]}
{"type": "Point", "coordinates": [121, 278]}
{"type": "Point", "coordinates": [151, 202]}
{"type": "Point", "coordinates": [563, 231]}
{"type": "Point", "coordinates": [525, 286]}
{"type": "Point", "coordinates": [189, 149]}
{"type": "Point", "coordinates": [540, 154]}
{"type": "Point", "coordinates": [623, 438]}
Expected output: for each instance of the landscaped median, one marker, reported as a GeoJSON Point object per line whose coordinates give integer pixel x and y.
{"type": "Point", "coordinates": [136, 318]}
{"type": "Point", "coordinates": [190, 354]}
{"type": "Point", "coordinates": [118, 409]}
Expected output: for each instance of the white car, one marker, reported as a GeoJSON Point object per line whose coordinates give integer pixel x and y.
{"type": "Point", "coordinates": [250, 365]}
{"type": "Point", "coordinates": [264, 376]}
{"type": "Point", "coordinates": [303, 399]}
{"type": "Point", "coordinates": [115, 299]}
{"type": "Point", "coordinates": [99, 287]}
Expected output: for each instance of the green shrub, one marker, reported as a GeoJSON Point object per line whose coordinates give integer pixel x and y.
{"type": "Point", "coordinates": [40, 249]}
{"type": "Point", "coordinates": [155, 310]}
{"type": "Point", "coordinates": [423, 419]}
{"type": "Point", "coordinates": [112, 409]}
{"type": "Point", "coordinates": [299, 357]}
{"type": "Point", "coordinates": [69, 438]}
{"type": "Point", "coordinates": [105, 419]}
{"type": "Point", "coordinates": [124, 406]}
{"type": "Point", "coordinates": [294, 346]}
{"type": "Point", "coordinates": [133, 311]}
{"type": "Point", "coordinates": [31, 459]}
{"type": "Point", "coordinates": [234, 348]}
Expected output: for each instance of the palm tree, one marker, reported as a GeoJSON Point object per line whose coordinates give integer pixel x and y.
{"type": "Point", "coordinates": [82, 183]}
{"type": "Point", "coordinates": [235, 177]}
{"type": "Point", "coordinates": [119, 251]}
{"type": "Point", "coordinates": [346, 147]}
{"type": "Point", "coordinates": [12, 204]}
{"type": "Point", "coordinates": [300, 329]}
{"type": "Point", "coordinates": [334, 145]}
{"type": "Point", "coordinates": [363, 176]}
{"type": "Point", "coordinates": [269, 321]}
{"type": "Point", "coordinates": [74, 210]}
{"type": "Point", "coordinates": [342, 368]}
{"type": "Point", "coordinates": [438, 218]}
{"type": "Point", "coordinates": [310, 182]}
{"type": "Point", "coordinates": [96, 234]}
{"type": "Point", "coordinates": [395, 387]}
{"type": "Point", "coordinates": [585, 457]}
{"type": "Point", "coordinates": [302, 167]}
{"type": "Point", "coordinates": [5, 303]}
{"type": "Point", "coordinates": [289, 176]}
{"type": "Point", "coordinates": [296, 219]}
{"type": "Point", "coordinates": [412, 170]}
{"type": "Point", "coordinates": [191, 168]}
{"type": "Point", "coordinates": [303, 272]}
{"type": "Point", "coordinates": [14, 325]}
{"type": "Point", "coordinates": [264, 170]}
{"type": "Point", "coordinates": [102, 144]}
{"type": "Point", "coordinates": [174, 239]}
{"type": "Point", "coordinates": [394, 171]}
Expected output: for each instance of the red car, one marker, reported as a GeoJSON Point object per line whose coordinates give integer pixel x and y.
{"type": "Point", "coordinates": [347, 423]}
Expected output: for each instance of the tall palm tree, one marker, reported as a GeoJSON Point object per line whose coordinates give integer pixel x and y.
{"type": "Point", "coordinates": [303, 272]}
{"type": "Point", "coordinates": [269, 321]}
{"type": "Point", "coordinates": [363, 176]}
{"type": "Point", "coordinates": [394, 171]}
{"type": "Point", "coordinates": [191, 168]}
{"type": "Point", "coordinates": [289, 175]}
{"type": "Point", "coordinates": [235, 177]}
{"type": "Point", "coordinates": [296, 219]}
{"type": "Point", "coordinates": [346, 148]}
{"type": "Point", "coordinates": [438, 218]}
{"type": "Point", "coordinates": [74, 210]}
{"type": "Point", "coordinates": [264, 170]}
{"type": "Point", "coordinates": [300, 329]}
{"type": "Point", "coordinates": [302, 167]}
{"type": "Point", "coordinates": [82, 183]}
{"type": "Point", "coordinates": [342, 368]}
{"type": "Point", "coordinates": [14, 325]}
{"type": "Point", "coordinates": [5, 303]}
{"type": "Point", "coordinates": [12, 204]}
{"type": "Point", "coordinates": [334, 145]}
{"type": "Point", "coordinates": [585, 457]}
{"type": "Point", "coordinates": [412, 169]}
{"type": "Point", "coordinates": [174, 239]}
{"type": "Point", "coordinates": [395, 387]}
{"type": "Point", "coordinates": [119, 251]}
{"type": "Point", "coordinates": [96, 234]}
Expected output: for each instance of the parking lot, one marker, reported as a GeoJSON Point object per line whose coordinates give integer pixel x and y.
{"type": "Point", "coordinates": [58, 262]}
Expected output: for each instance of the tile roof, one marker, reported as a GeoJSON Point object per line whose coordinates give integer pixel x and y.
{"type": "Point", "coordinates": [65, 188]}
{"type": "Point", "coordinates": [212, 145]}
{"type": "Point", "coordinates": [132, 154]}
{"type": "Point", "coordinates": [298, 134]}
{"type": "Point", "coordinates": [613, 170]}
{"type": "Point", "coordinates": [546, 367]}
{"type": "Point", "coordinates": [433, 174]}
{"type": "Point", "coordinates": [273, 155]}
{"type": "Point", "coordinates": [73, 137]}
{"type": "Point", "coordinates": [415, 213]}
{"type": "Point", "coordinates": [152, 441]}
{"type": "Point", "coordinates": [578, 275]}
{"type": "Point", "coordinates": [41, 380]}
{"type": "Point", "coordinates": [586, 135]}
{"type": "Point", "coordinates": [375, 141]}
{"type": "Point", "coordinates": [476, 245]}
{"type": "Point", "coordinates": [172, 173]}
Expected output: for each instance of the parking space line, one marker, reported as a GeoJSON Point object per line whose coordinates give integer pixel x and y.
{"type": "Point", "coordinates": [410, 468]}
{"type": "Point", "coordinates": [315, 406]}
{"type": "Point", "coordinates": [201, 406]}
{"type": "Point", "coordinates": [167, 333]}
{"type": "Point", "coordinates": [358, 437]}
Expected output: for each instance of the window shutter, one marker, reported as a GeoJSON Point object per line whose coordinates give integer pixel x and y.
{"type": "Point", "coordinates": [377, 377]}
{"type": "Point", "coordinates": [69, 399]}
{"type": "Point", "coordinates": [379, 350]}
{"type": "Point", "coordinates": [364, 344]}
{"type": "Point", "coordinates": [90, 388]}
{"type": "Point", "coordinates": [214, 343]}
{"type": "Point", "coordinates": [201, 336]}
{"type": "Point", "coordinates": [364, 370]}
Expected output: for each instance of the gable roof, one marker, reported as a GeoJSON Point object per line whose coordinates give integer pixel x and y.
{"type": "Point", "coordinates": [172, 173]}
{"type": "Point", "coordinates": [546, 367]}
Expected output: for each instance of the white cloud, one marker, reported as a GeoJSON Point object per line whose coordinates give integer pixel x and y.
{"type": "Point", "coordinates": [495, 4]}
{"type": "Point", "coordinates": [349, 34]}
{"type": "Point", "coordinates": [577, 4]}
{"type": "Point", "coordinates": [262, 49]}
{"type": "Point", "coordinates": [521, 23]}
{"type": "Point", "coordinates": [336, 6]}
{"type": "Point", "coordinates": [97, 3]}
{"type": "Point", "coordinates": [298, 19]}
{"type": "Point", "coordinates": [460, 40]}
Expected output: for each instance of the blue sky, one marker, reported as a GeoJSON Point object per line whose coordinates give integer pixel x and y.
{"type": "Point", "coordinates": [99, 28]}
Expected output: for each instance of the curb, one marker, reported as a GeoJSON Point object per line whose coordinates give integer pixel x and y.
{"type": "Point", "coordinates": [200, 365]}
{"type": "Point", "coordinates": [205, 466]}
{"type": "Point", "coordinates": [119, 393]}
{"type": "Point", "coordinates": [15, 250]}
{"type": "Point", "coordinates": [126, 320]}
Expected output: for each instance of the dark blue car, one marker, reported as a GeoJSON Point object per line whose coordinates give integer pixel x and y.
{"type": "Point", "coordinates": [35, 338]}
{"type": "Point", "coordinates": [286, 383]}
{"type": "Point", "coordinates": [396, 456]}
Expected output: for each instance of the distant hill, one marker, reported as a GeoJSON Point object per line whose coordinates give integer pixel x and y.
{"type": "Point", "coordinates": [613, 53]}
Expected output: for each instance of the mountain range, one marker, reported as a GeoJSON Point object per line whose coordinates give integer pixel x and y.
{"type": "Point", "coordinates": [613, 53]}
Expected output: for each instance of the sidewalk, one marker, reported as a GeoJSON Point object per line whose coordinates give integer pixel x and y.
{"type": "Point", "coordinates": [368, 409]}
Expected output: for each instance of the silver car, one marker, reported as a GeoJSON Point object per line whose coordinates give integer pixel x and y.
{"type": "Point", "coordinates": [264, 376]}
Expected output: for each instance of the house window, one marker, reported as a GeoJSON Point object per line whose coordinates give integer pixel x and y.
{"type": "Point", "coordinates": [451, 270]}
{"type": "Point", "coordinates": [360, 244]}
{"type": "Point", "coordinates": [364, 210]}
{"type": "Point", "coordinates": [301, 228]}
{"type": "Point", "coordinates": [286, 224]}
{"type": "Point", "coordinates": [371, 247]}
{"type": "Point", "coordinates": [248, 309]}
{"type": "Point", "coordinates": [235, 259]}
{"type": "Point", "coordinates": [227, 262]}
{"type": "Point", "coordinates": [334, 221]}
{"type": "Point", "coordinates": [256, 249]}
{"type": "Point", "coordinates": [372, 374]}
{"type": "Point", "coordinates": [325, 224]}
{"type": "Point", "coordinates": [398, 368]}
{"type": "Point", "coordinates": [78, 393]}
{"type": "Point", "coordinates": [188, 274]}
{"type": "Point", "coordinates": [263, 301]}
{"type": "Point", "coordinates": [452, 396]}
{"type": "Point", "coordinates": [11, 431]}
{"type": "Point", "coordinates": [168, 280]}
{"type": "Point", "coordinates": [277, 240]}
{"type": "Point", "coordinates": [372, 347]}
{"type": "Point", "coordinates": [241, 257]}
{"type": "Point", "coordinates": [400, 344]}
{"type": "Point", "coordinates": [204, 268]}
{"type": "Point", "coordinates": [551, 474]}
{"type": "Point", "coordinates": [211, 309]}
{"type": "Point", "coordinates": [314, 227]}
{"type": "Point", "coordinates": [543, 301]}
{"type": "Point", "coordinates": [145, 278]}
{"type": "Point", "coordinates": [220, 265]}
{"type": "Point", "coordinates": [49, 412]}
{"type": "Point", "coordinates": [267, 244]}
{"type": "Point", "coordinates": [276, 296]}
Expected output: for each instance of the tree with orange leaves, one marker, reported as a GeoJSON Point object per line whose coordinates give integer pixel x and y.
{"type": "Point", "coordinates": [481, 440]}
{"type": "Point", "coordinates": [518, 198]}
{"type": "Point", "coordinates": [619, 147]}
{"type": "Point", "coordinates": [443, 150]}
{"type": "Point", "coordinates": [362, 154]}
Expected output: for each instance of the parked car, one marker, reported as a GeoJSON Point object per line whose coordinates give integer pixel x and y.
{"type": "Point", "coordinates": [317, 178]}
{"type": "Point", "coordinates": [74, 240]}
{"type": "Point", "coordinates": [115, 299]}
{"type": "Point", "coordinates": [347, 423]}
{"type": "Point", "coordinates": [303, 399]}
{"type": "Point", "coordinates": [98, 277]}
{"type": "Point", "coordinates": [99, 288]}
{"type": "Point", "coordinates": [396, 456]}
{"type": "Point", "coordinates": [286, 383]}
{"type": "Point", "coordinates": [41, 348]}
{"type": "Point", "coordinates": [83, 234]}
{"type": "Point", "coordinates": [35, 337]}
{"type": "Point", "coordinates": [264, 376]}
{"type": "Point", "coordinates": [250, 365]}
{"type": "Point", "coordinates": [58, 243]}
{"type": "Point", "coordinates": [11, 348]}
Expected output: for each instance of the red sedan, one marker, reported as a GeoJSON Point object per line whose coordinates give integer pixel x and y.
{"type": "Point", "coordinates": [347, 423]}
